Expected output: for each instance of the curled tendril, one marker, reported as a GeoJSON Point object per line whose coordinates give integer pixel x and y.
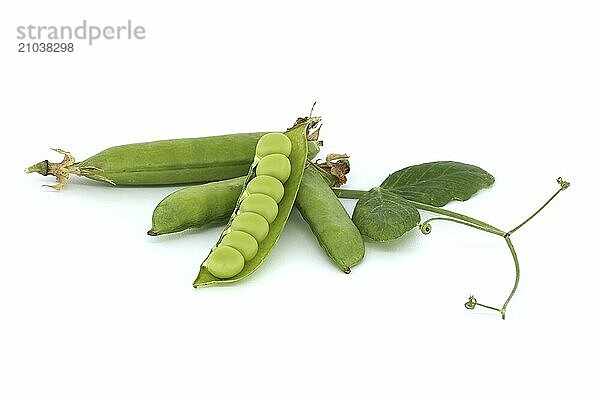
{"type": "Point", "coordinates": [564, 185]}
{"type": "Point", "coordinates": [425, 228]}
{"type": "Point", "coordinates": [471, 302]}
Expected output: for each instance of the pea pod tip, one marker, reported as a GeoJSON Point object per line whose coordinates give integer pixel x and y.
{"type": "Point", "coordinates": [41, 168]}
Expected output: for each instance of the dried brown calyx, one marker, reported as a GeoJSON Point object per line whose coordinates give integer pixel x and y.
{"type": "Point", "coordinates": [63, 169]}
{"type": "Point", "coordinates": [334, 168]}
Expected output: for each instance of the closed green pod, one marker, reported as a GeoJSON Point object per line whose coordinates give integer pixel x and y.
{"type": "Point", "coordinates": [196, 206]}
{"type": "Point", "coordinates": [165, 162]}
{"type": "Point", "coordinates": [175, 161]}
{"type": "Point", "coordinates": [329, 221]}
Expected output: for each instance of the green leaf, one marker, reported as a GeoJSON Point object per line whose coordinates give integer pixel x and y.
{"type": "Point", "coordinates": [382, 215]}
{"type": "Point", "coordinates": [436, 183]}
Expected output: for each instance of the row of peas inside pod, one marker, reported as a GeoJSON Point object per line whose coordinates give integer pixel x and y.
{"type": "Point", "coordinates": [257, 208]}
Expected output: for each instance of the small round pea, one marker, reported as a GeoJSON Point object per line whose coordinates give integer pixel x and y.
{"type": "Point", "coordinates": [262, 205]}
{"type": "Point", "coordinates": [275, 165]}
{"type": "Point", "coordinates": [251, 223]}
{"type": "Point", "coordinates": [268, 185]}
{"type": "Point", "coordinates": [224, 262]}
{"type": "Point", "coordinates": [273, 143]}
{"type": "Point", "coordinates": [242, 242]}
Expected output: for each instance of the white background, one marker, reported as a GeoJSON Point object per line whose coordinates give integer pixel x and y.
{"type": "Point", "coordinates": [92, 308]}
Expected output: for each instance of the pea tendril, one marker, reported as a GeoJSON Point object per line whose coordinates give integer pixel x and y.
{"type": "Point", "coordinates": [451, 216]}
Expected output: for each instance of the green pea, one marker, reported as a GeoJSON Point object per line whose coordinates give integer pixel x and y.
{"type": "Point", "coordinates": [251, 223]}
{"type": "Point", "coordinates": [268, 185]}
{"type": "Point", "coordinates": [242, 242]}
{"type": "Point", "coordinates": [260, 204]}
{"type": "Point", "coordinates": [273, 143]}
{"type": "Point", "coordinates": [224, 262]}
{"type": "Point", "coordinates": [275, 165]}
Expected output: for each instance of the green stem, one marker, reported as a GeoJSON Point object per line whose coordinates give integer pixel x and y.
{"type": "Point", "coordinates": [426, 226]}
{"type": "Point", "coordinates": [472, 301]}
{"type": "Point", "coordinates": [357, 194]}
{"type": "Point", "coordinates": [482, 225]}
{"type": "Point", "coordinates": [349, 194]}
{"type": "Point", "coordinates": [563, 186]}
{"type": "Point", "coordinates": [517, 275]}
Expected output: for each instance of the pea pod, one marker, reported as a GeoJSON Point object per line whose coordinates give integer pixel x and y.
{"type": "Point", "coordinates": [196, 206]}
{"type": "Point", "coordinates": [329, 221]}
{"type": "Point", "coordinates": [163, 162]}
{"type": "Point", "coordinates": [228, 264]}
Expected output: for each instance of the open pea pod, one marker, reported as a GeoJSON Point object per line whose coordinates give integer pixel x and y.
{"type": "Point", "coordinates": [297, 158]}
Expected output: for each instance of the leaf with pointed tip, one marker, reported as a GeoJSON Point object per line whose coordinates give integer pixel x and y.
{"type": "Point", "coordinates": [436, 183]}
{"type": "Point", "coordinates": [383, 215]}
